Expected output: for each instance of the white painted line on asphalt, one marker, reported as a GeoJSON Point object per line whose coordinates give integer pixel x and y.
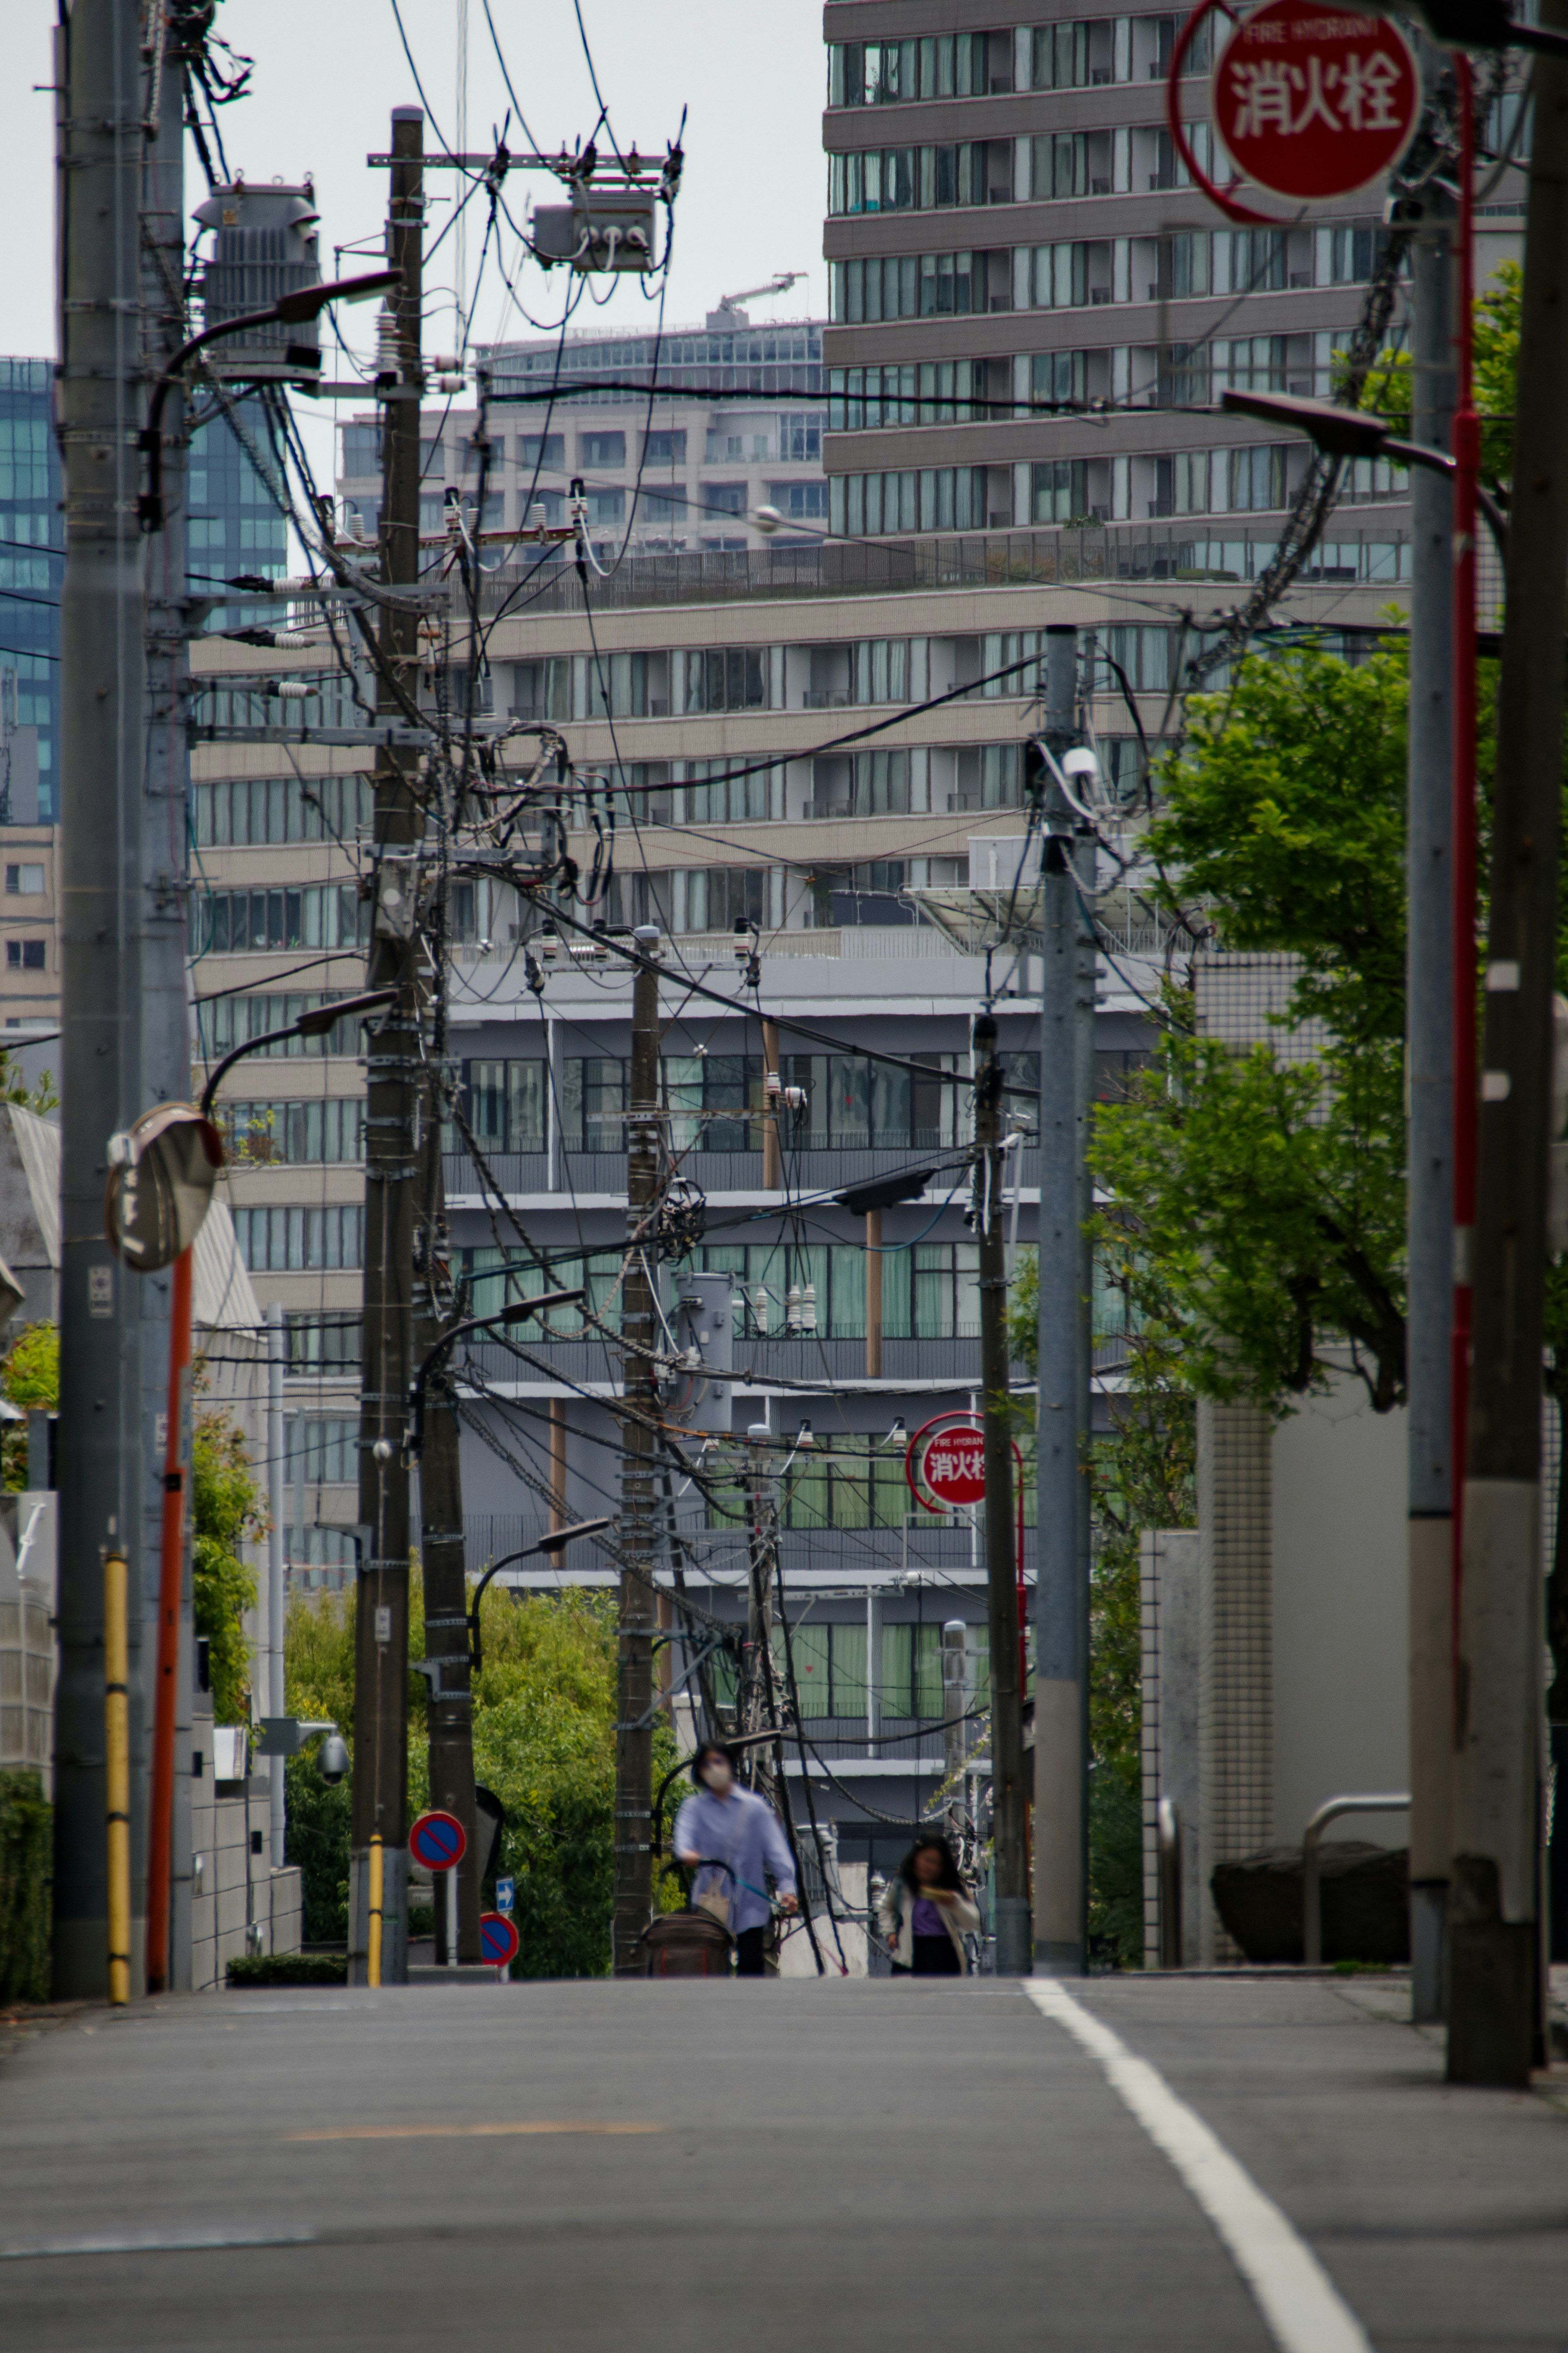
{"type": "Point", "coordinates": [1300, 2305]}
{"type": "Point", "coordinates": [159, 2243]}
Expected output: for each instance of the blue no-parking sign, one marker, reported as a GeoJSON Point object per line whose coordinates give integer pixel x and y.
{"type": "Point", "coordinates": [437, 1841]}
{"type": "Point", "coordinates": [498, 1939]}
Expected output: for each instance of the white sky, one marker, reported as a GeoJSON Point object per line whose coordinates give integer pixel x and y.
{"type": "Point", "coordinates": [328, 73]}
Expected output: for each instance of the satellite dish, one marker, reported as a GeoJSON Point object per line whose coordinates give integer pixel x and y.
{"type": "Point", "coordinates": [162, 1172]}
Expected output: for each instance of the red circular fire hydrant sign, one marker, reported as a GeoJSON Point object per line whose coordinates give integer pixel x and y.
{"type": "Point", "coordinates": [1315, 102]}
{"type": "Point", "coordinates": [951, 1463]}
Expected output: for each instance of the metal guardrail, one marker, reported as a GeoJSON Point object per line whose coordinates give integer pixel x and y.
{"type": "Point", "coordinates": [1395, 1802]}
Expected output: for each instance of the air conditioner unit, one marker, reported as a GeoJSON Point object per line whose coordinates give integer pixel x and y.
{"type": "Point", "coordinates": [1100, 187]}
{"type": "Point", "coordinates": [1100, 293]}
{"type": "Point", "coordinates": [1001, 302]}
{"type": "Point", "coordinates": [657, 709]}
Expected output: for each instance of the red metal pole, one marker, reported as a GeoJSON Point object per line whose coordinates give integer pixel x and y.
{"type": "Point", "coordinates": [170, 1570]}
{"type": "Point", "coordinates": [1466, 470]}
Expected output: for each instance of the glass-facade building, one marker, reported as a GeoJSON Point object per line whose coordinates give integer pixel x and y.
{"type": "Point", "coordinates": [31, 538]}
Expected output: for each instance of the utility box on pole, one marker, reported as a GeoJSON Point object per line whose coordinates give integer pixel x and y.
{"type": "Point", "coordinates": [704, 1326]}
{"type": "Point", "coordinates": [263, 245]}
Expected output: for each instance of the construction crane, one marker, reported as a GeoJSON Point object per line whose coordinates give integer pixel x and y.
{"type": "Point", "coordinates": [728, 304]}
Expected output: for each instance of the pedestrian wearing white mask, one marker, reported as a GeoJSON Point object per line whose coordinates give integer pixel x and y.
{"type": "Point", "coordinates": [737, 1839]}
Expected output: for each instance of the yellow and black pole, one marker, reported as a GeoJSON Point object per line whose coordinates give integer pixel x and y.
{"type": "Point", "coordinates": [373, 1910]}
{"type": "Point", "coordinates": [117, 1773]}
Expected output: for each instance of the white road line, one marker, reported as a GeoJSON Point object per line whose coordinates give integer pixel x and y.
{"type": "Point", "coordinates": [1300, 2305]}
{"type": "Point", "coordinates": [158, 2244]}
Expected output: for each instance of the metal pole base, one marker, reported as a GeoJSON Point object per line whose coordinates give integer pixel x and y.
{"type": "Point", "coordinates": [1054, 1960]}
{"type": "Point", "coordinates": [1429, 1952]}
{"type": "Point", "coordinates": [1012, 1936]}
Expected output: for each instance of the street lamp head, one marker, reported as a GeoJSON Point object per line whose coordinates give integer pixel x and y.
{"type": "Point", "coordinates": [1337, 432]}
{"type": "Point", "coordinates": [308, 301]}
{"type": "Point", "coordinates": [560, 1537]}
{"type": "Point", "coordinates": [322, 1017]}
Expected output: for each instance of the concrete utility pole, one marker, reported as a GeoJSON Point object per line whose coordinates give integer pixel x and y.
{"type": "Point", "coordinates": [1429, 963]}
{"type": "Point", "coordinates": [1010, 1797]}
{"type": "Point", "coordinates": [449, 1712]}
{"type": "Point", "coordinates": [395, 1077]}
{"type": "Point", "coordinates": [276, 1365]}
{"type": "Point", "coordinates": [1496, 1994]}
{"type": "Point", "coordinates": [105, 1460]}
{"type": "Point", "coordinates": [1061, 1587]}
{"type": "Point", "coordinates": [954, 1740]}
{"type": "Point", "coordinates": [633, 1721]}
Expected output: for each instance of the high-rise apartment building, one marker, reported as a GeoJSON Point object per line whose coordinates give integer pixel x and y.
{"type": "Point", "coordinates": [1010, 226]}
{"type": "Point", "coordinates": [683, 474]}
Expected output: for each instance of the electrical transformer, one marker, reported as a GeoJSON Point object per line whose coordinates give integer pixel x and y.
{"type": "Point", "coordinates": [264, 245]}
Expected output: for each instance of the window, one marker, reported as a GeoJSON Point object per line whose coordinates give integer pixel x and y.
{"type": "Point", "coordinates": [852, 1101]}
{"type": "Point", "coordinates": [664, 449]}
{"type": "Point", "coordinates": [1143, 653]}
{"type": "Point", "coordinates": [932, 1291]}
{"type": "Point", "coordinates": [592, 1087]}
{"type": "Point", "coordinates": [1257, 260]}
{"type": "Point", "coordinates": [1256, 478]}
{"type": "Point", "coordinates": [606, 506]}
{"type": "Point", "coordinates": [244, 922]}
{"type": "Point", "coordinates": [321, 1448]}
{"type": "Point", "coordinates": [716, 898]}
{"type": "Point", "coordinates": [733, 678]}
{"type": "Point", "coordinates": [267, 1133]}
{"type": "Point", "coordinates": [886, 73]}
{"type": "Point", "coordinates": [541, 449]}
{"type": "Point", "coordinates": [251, 810]}
{"type": "Point", "coordinates": [729, 799]}
{"type": "Point", "coordinates": [362, 450]}
{"type": "Point", "coordinates": [24, 956]}
{"type": "Point", "coordinates": [1058, 378]}
{"type": "Point", "coordinates": [504, 1104]}
{"type": "Point", "coordinates": [904, 286]}
{"type": "Point", "coordinates": [287, 1240]}
{"type": "Point", "coordinates": [934, 392]}
{"type": "Point", "coordinates": [713, 1091]}
{"type": "Point", "coordinates": [1058, 56]}
{"type": "Point", "coordinates": [1059, 490]}
{"type": "Point", "coordinates": [1059, 165]}
{"type": "Point", "coordinates": [1182, 483]}
{"type": "Point", "coordinates": [23, 881]}
{"type": "Point", "coordinates": [1062, 275]}
{"type": "Point", "coordinates": [867, 784]}
{"type": "Point", "coordinates": [232, 1020]}
{"type": "Point", "coordinates": [323, 1344]}
{"type": "Point", "coordinates": [1352, 254]}
{"type": "Point", "coordinates": [799, 502]}
{"type": "Point", "coordinates": [800, 441]}
{"type": "Point", "coordinates": [659, 506]}
{"type": "Point", "coordinates": [724, 498]}
{"type": "Point", "coordinates": [602, 449]}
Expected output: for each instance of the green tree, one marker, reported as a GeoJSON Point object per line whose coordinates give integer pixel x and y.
{"type": "Point", "coordinates": [1495, 327]}
{"type": "Point", "coordinates": [30, 1378]}
{"type": "Point", "coordinates": [1267, 1187]}
{"type": "Point", "coordinates": [544, 1717]}
{"type": "Point", "coordinates": [226, 1510]}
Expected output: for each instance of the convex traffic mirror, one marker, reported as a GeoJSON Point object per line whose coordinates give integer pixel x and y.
{"type": "Point", "coordinates": [162, 1171]}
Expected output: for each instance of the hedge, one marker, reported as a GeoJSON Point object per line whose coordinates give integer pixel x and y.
{"type": "Point", "coordinates": [26, 1872]}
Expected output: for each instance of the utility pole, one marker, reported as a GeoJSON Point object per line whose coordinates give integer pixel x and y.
{"type": "Point", "coordinates": [104, 1463]}
{"type": "Point", "coordinates": [1061, 1583]}
{"type": "Point", "coordinates": [1010, 1812]}
{"type": "Point", "coordinates": [277, 1362]}
{"type": "Point", "coordinates": [1496, 1993]}
{"type": "Point", "coordinates": [954, 1690]}
{"type": "Point", "coordinates": [1430, 962]}
{"type": "Point", "coordinates": [634, 1622]}
{"type": "Point", "coordinates": [449, 1711]}
{"type": "Point", "coordinates": [758, 1705]}
{"type": "Point", "coordinates": [164, 1074]}
{"type": "Point", "coordinates": [392, 1092]}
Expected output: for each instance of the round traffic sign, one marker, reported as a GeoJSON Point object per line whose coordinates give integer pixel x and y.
{"type": "Point", "coordinates": [1312, 102]}
{"type": "Point", "coordinates": [437, 1841]}
{"type": "Point", "coordinates": [947, 1463]}
{"type": "Point", "coordinates": [497, 1938]}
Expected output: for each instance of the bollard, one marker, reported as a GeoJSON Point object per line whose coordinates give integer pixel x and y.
{"type": "Point", "coordinates": [117, 1775]}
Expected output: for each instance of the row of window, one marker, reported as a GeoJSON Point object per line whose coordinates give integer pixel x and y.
{"type": "Point", "coordinates": [293, 1240]}
{"type": "Point", "coordinates": [850, 1103]}
{"type": "Point", "coordinates": [229, 1021]}
{"type": "Point", "coordinates": [1050, 168]}
{"type": "Point", "coordinates": [1255, 479]}
{"type": "Point", "coordinates": [1079, 273]}
{"type": "Point", "coordinates": [325, 694]}
{"type": "Point", "coordinates": [787, 439]}
{"type": "Point", "coordinates": [1070, 55]}
{"type": "Point", "coordinates": [830, 1661]}
{"type": "Point", "coordinates": [268, 1134]}
{"type": "Point", "coordinates": [321, 1448]}
{"type": "Point", "coordinates": [249, 811]}
{"type": "Point", "coordinates": [319, 916]}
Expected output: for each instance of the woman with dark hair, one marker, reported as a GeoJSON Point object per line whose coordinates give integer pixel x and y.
{"type": "Point", "coordinates": [925, 1913]}
{"type": "Point", "coordinates": [722, 1825]}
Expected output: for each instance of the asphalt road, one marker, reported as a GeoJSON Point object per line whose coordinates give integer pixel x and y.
{"type": "Point", "coordinates": [792, 2164]}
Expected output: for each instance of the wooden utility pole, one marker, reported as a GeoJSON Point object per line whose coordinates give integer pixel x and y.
{"type": "Point", "coordinates": [1009, 1805]}
{"type": "Point", "coordinates": [635, 1625]}
{"type": "Point", "coordinates": [393, 1088]}
{"type": "Point", "coordinates": [1496, 1996]}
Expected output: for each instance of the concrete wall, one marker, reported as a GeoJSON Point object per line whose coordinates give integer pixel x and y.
{"type": "Point", "coordinates": [1341, 1672]}
{"type": "Point", "coordinates": [235, 1885]}
{"type": "Point", "coordinates": [1172, 1642]}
